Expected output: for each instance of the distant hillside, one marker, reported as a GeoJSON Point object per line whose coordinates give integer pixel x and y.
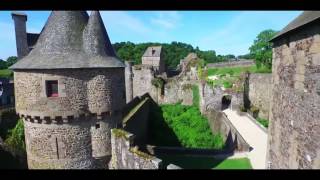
{"type": "Point", "coordinates": [173, 52]}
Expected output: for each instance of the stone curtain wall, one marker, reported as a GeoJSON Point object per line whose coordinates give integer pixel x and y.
{"type": "Point", "coordinates": [136, 120]}
{"type": "Point", "coordinates": [294, 129]}
{"type": "Point", "coordinates": [260, 93]}
{"type": "Point", "coordinates": [177, 90]}
{"type": "Point", "coordinates": [126, 156]}
{"type": "Point", "coordinates": [220, 123]}
{"type": "Point", "coordinates": [142, 76]}
{"type": "Point", "coordinates": [231, 64]}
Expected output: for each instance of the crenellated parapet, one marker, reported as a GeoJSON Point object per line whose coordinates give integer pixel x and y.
{"type": "Point", "coordinates": [44, 119]}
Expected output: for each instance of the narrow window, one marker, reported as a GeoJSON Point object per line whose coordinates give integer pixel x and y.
{"type": "Point", "coordinates": [52, 88]}
{"type": "Point", "coordinates": [97, 126]}
{"type": "Point", "coordinates": [57, 148]}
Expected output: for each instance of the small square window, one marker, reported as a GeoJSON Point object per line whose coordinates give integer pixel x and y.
{"type": "Point", "coordinates": [97, 126]}
{"type": "Point", "coordinates": [52, 88]}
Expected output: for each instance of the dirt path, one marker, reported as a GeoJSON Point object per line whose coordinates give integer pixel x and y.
{"type": "Point", "coordinates": [254, 136]}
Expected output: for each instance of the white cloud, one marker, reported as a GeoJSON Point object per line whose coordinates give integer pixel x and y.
{"type": "Point", "coordinates": [122, 20]}
{"type": "Point", "coordinates": [233, 38]}
{"type": "Point", "coordinates": [167, 19]}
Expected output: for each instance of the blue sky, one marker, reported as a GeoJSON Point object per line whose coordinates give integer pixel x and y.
{"type": "Point", "coordinates": [226, 32]}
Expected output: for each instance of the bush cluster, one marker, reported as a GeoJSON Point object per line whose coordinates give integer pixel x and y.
{"type": "Point", "coordinates": [190, 127]}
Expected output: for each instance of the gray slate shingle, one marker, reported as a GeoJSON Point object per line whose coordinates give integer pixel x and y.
{"type": "Point", "coordinates": [70, 39]}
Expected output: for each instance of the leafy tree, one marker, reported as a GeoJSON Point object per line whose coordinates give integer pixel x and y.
{"type": "Point", "coordinates": [172, 53]}
{"type": "Point", "coordinates": [261, 49]}
{"type": "Point", "coordinates": [246, 56]}
{"type": "Point", "coordinates": [3, 64]}
{"type": "Point", "coordinates": [11, 60]}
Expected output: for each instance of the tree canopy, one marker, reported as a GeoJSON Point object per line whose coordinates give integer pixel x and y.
{"type": "Point", "coordinates": [9, 62]}
{"type": "Point", "coordinates": [173, 52]}
{"type": "Point", "coordinates": [261, 49]}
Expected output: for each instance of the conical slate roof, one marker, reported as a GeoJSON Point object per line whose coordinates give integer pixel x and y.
{"type": "Point", "coordinates": [71, 39]}
{"type": "Point", "coordinates": [304, 18]}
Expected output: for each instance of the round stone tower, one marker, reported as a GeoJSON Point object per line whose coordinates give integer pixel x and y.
{"type": "Point", "coordinates": [70, 91]}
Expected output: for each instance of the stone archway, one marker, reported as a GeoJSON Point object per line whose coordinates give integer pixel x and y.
{"type": "Point", "coordinates": [225, 101]}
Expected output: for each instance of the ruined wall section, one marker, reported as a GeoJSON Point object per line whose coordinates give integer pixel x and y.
{"type": "Point", "coordinates": [240, 63]}
{"type": "Point", "coordinates": [136, 121]}
{"type": "Point", "coordinates": [142, 77]}
{"type": "Point", "coordinates": [126, 156]}
{"type": "Point", "coordinates": [294, 116]}
{"type": "Point", "coordinates": [260, 93]}
{"type": "Point", "coordinates": [219, 122]}
{"type": "Point", "coordinates": [177, 90]}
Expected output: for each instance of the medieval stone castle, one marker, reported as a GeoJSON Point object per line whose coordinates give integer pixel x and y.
{"type": "Point", "coordinates": [71, 90]}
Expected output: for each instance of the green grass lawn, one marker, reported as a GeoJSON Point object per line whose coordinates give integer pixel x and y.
{"type": "Point", "coordinates": [5, 73]}
{"type": "Point", "coordinates": [186, 125]}
{"type": "Point", "coordinates": [229, 75]}
{"type": "Point", "coordinates": [236, 71]}
{"type": "Point", "coordinates": [198, 162]}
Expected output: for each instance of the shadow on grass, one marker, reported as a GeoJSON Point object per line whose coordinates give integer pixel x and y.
{"type": "Point", "coordinates": [8, 161]}
{"type": "Point", "coordinates": [190, 162]}
{"type": "Point", "coordinates": [160, 134]}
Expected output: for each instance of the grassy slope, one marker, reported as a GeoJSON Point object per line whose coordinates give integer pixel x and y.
{"type": "Point", "coordinates": [241, 163]}
{"type": "Point", "coordinates": [191, 128]}
{"type": "Point", "coordinates": [198, 162]}
{"type": "Point", "coordinates": [233, 74]}
{"type": "Point", "coordinates": [5, 73]}
{"type": "Point", "coordinates": [236, 71]}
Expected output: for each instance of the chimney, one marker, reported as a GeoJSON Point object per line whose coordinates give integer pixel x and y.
{"type": "Point", "coordinates": [21, 33]}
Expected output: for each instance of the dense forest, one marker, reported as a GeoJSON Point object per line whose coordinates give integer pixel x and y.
{"type": "Point", "coordinates": [173, 52]}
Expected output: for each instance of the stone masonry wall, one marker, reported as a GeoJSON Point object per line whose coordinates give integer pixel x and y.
{"type": "Point", "coordinates": [137, 119]}
{"type": "Point", "coordinates": [80, 92]}
{"type": "Point", "coordinates": [220, 123]}
{"type": "Point", "coordinates": [72, 130]}
{"type": "Point", "coordinates": [294, 129]}
{"type": "Point", "coordinates": [142, 77]}
{"type": "Point", "coordinates": [243, 63]}
{"type": "Point", "coordinates": [260, 93]}
{"type": "Point", "coordinates": [59, 146]}
{"type": "Point", "coordinates": [126, 156]}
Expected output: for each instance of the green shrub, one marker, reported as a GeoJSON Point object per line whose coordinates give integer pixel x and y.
{"type": "Point", "coordinates": [190, 128]}
{"type": "Point", "coordinates": [263, 122]}
{"type": "Point", "coordinates": [157, 82]}
{"type": "Point", "coordinates": [9, 119]}
{"type": "Point", "coordinates": [195, 94]}
{"type": "Point", "coordinates": [254, 109]}
{"type": "Point", "coordinates": [186, 86]}
{"type": "Point", "coordinates": [242, 108]}
{"type": "Point", "coordinates": [227, 84]}
{"type": "Point", "coordinates": [15, 140]}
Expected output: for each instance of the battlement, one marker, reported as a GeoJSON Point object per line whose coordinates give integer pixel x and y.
{"type": "Point", "coordinates": [67, 118]}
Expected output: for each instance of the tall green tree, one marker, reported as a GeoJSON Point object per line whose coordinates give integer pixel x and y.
{"type": "Point", "coordinates": [3, 64]}
{"type": "Point", "coordinates": [172, 52]}
{"type": "Point", "coordinates": [11, 60]}
{"type": "Point", "coordinates": [261, 50]}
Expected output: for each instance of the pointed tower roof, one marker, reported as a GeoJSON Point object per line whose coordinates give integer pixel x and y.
{"type": "Point", "coordinates": [71, 39]}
